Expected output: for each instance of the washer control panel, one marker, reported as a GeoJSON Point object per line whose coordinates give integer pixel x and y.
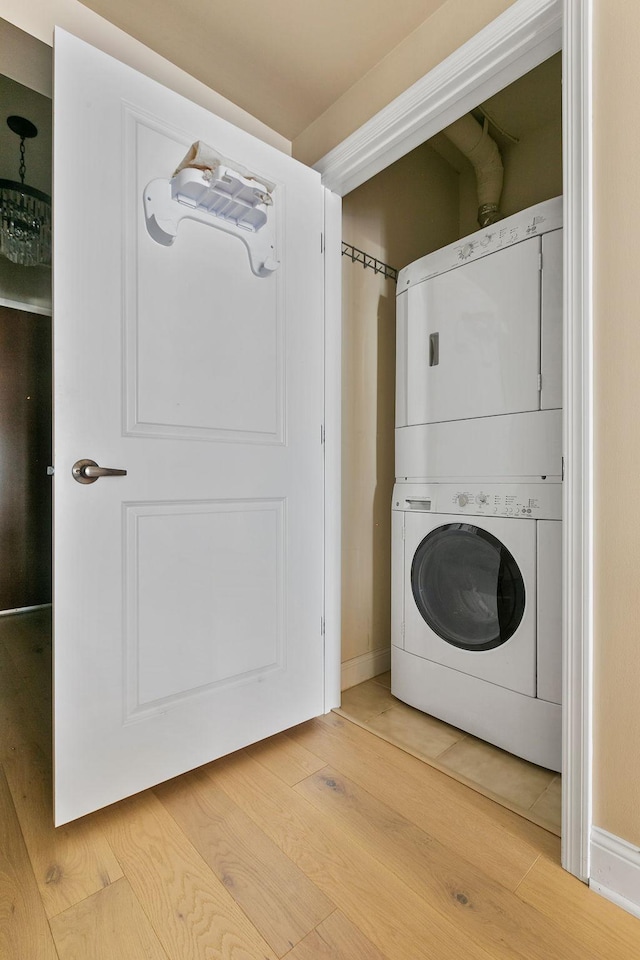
{"type": "Point", "coordinates": [504, 504]}
{"type": "Point", "coordinates": [527, 501]}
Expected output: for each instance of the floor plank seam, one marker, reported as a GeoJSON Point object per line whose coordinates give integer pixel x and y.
{"type": "Point", "coordinates": [521, 881]}
{"type": "Point", "coordinates": [314, 929]}
{"type": "Point", "coordinates": [275, 772]}
{"type": "Point", "coordinates": [213, 874]}
{"type": "Point", "coordinates": [541, 795]}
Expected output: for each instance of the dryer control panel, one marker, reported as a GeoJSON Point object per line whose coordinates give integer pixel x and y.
{"type": "Point", "coordinates": [536, 220]}
{"type": "Point", "coordinates": [528, 501]}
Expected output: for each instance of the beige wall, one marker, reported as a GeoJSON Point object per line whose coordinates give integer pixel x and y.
{"type": "Point", "coordinates": [532, 173]}
{"type": "Point", "coordinates": [405, 212]}
{"type": "Point", "coordinates": [617, 401]}
{"type": "Point", "coordinates": [38, 18]}
{"type": "Point", "coordinates": [532, 169]}
{"type": "Point", "coordinates": [443, 32]}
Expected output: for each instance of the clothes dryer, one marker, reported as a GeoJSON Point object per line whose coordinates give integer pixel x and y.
{"type": "Point", "coordinates": [476, 610]}
{"type": "Point", "coordinates": [479, 325]}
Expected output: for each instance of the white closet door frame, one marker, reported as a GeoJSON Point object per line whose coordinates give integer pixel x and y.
{"type": "Point", "coordinates": [526, 34]}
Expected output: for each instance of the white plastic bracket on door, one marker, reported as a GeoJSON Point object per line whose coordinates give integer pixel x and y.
{"type": "Point", "coordinates": [228, 201]}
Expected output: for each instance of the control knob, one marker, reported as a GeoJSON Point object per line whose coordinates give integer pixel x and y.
{"type": "Point", "coordinates": [482, 498]}
{"type": "Point", "coordinates": [463, 499]}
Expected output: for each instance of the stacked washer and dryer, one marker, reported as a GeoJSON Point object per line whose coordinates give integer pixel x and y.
{"type": "Point", "coordinates": [476, 523]}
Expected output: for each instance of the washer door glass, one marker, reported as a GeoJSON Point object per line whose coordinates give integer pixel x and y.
{"type": "Point", "coordinates": [468, 587]}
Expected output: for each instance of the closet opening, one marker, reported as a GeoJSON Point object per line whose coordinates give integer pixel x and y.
{"type": "Point", "coordinates": [423, 202]}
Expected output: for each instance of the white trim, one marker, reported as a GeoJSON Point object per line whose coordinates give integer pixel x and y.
{"type": "Point", "coordinates": [578, 443]}
{"type": "Point", "coordinates": [25, 307]}
{"type": "Point", "coordinates": [526, 34]}
{"type": "Point", "coordinates": [332, 447]}
{"type": "Point", "coordinates": [365, 667]}
{"type": "Point", "coordinates": [615, 870]}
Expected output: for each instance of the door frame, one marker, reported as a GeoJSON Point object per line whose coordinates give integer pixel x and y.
{"type": "Point", "coordinates": [527, 33]}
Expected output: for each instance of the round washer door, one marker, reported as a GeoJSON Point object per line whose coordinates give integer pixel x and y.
{"type": "Point", "coordinates": [467, 587]}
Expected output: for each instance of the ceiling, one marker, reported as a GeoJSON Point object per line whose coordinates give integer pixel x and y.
{"type": "Point", "coordinates": [532, 101]}
{"type": "Point", "coordinates": [285, 61]}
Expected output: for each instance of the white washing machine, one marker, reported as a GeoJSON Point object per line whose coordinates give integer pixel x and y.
{"type": "Point", "coordinates": [476, 610]}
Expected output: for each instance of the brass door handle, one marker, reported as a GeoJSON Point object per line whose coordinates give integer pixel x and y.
{"type": "Point", "coordinates": [88, 471]}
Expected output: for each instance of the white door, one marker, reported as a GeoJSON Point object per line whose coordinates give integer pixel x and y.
{"type": "Point", "coordinates": [188, 593]}
{"type": "Point", "coordinates": [473, 338]}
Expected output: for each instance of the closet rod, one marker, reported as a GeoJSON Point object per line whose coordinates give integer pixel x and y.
{"type": "Point", "coordinates": [359, 256]}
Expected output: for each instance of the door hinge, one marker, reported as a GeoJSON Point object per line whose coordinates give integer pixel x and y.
{"type": "Point", "coordinates": [563, 468]}
{"type": "Point", "coordinates": [322, 433]}
{"type": "Point", "coordinates": [539, 383]}
{"type": "Point", "coordinates": [540, 261]}
{"type": "Point", "coordinates": [322, 243]}
{"type": "Point", "coordinates": [402, 632]}
{"type": "Point", "coordinates": [322, 626]}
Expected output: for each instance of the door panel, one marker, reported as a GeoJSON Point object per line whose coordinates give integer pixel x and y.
{"type": "Point", "coordinates": [188, 597]}
{"type": "Point", "coordinates": [473, 339]}
{"type": "Point", "coordinates": [217, 374]}
{"type": "Point", "coordinates": [181, 580]}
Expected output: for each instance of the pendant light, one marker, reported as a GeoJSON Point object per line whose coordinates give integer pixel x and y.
{"type": "Point", "coordinates": [25, 213]}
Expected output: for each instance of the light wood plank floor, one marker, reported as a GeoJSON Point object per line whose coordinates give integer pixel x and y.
{"type": "Point", "coordinates": [531, 791]}
{"type": "Point", "coordinates": [324, 843]}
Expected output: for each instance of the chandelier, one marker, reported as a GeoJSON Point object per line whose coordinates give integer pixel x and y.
{"type": "Point", "coordinates": [25, 213]}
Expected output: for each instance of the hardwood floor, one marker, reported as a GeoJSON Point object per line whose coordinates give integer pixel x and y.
{"type": "Point", "coordinates": [531, 791]}
{"type": "Point", "coordinates": [324, 843]}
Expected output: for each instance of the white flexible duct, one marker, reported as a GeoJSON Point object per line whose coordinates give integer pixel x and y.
{"type": "Point", "coordinates": [476, 144]}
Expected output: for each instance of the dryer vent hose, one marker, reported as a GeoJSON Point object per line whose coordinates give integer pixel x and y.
{"type": "Point", "coordinates": [474, 142]}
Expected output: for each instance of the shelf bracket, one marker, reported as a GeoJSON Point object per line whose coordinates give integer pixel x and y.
{"type": "Point", "coordinates": [221, 198]}
{"type": "Point", "coordinates": [367, 261]}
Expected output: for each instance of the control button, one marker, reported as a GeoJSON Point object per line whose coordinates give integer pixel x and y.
{"type": "Point", "coordinates": [482, 498]}
{"type": "Point", "coordinates": [463, 499]}
{"type": "Point", "coordinates": [466, 251]}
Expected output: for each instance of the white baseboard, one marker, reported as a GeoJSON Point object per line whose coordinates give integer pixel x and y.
{"type": "Point", "coordinates": [365, 667]}
{"type": "Point", "coordinates": [14, 610]}
{"type": "Point", "coordinates": [25, 307]}
{"type": "Point", "coordinates": [615, 870]}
